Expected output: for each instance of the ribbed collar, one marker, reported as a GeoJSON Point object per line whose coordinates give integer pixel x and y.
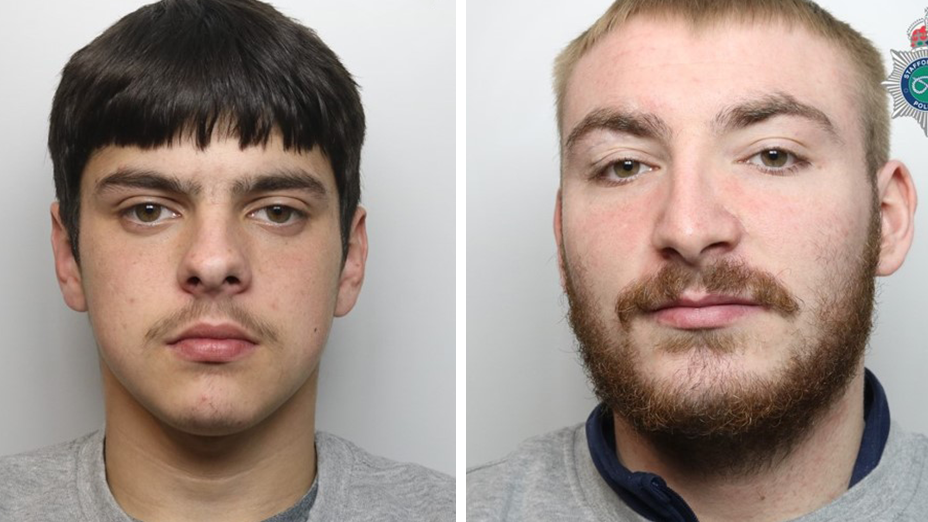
{"type": "Point", "coordinates": [651, 497]}
{"type": "Point", "coordinates": [98, 503]}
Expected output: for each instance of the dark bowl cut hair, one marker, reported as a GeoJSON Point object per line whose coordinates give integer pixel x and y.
{"type": "Point", "coordinates": [183, 69]}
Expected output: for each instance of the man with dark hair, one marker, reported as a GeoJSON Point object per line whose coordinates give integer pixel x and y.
{"type": "Point", "coordinates": [206, 161]}
{"type": "Point", "coordinates": [726, 201]}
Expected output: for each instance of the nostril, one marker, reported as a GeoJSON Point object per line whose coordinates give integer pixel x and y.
{"type": "Point", "coordinates": [194, 281]}
{"type": "Point", "coordinates": [232, 280]}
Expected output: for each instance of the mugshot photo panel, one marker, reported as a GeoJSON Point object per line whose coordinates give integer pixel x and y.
{"type": "Point", "coordinates": [524, 374]}
{"type": "Point", "coordinates": [387, 373]}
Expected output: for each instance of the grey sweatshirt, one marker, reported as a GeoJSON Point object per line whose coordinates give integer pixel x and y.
{"type": "Point", "coordinates": [67, 482]}
{"type": "Point", "coordinates": [553, 478]}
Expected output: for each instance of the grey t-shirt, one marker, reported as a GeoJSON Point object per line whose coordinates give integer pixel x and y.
{"type": "Point", "coordinates": [553, 478]}
{"type": "Point", "coordinates": [68, 482]}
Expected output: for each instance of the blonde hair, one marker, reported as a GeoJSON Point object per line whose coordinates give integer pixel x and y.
{"type": "Point", "coordinates": [863, 55]}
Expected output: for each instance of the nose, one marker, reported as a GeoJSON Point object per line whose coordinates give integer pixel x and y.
{"type": "Point", "coordinates": [695, 223]}
{"type": "Point", "coordinates": [214, 262]}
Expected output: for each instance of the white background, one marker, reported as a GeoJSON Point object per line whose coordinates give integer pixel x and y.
{"type": "Point", "coordinates": [387, 378]}
{"type": "Point", "coordinates": [523, 374]}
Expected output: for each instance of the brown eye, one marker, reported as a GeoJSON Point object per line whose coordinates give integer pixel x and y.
{"type": "Point", "coordinates": [279, 213]}
{"type": "Point", "coordinates": [776, 161]}
{"type": "Point", "coordinates": [147, 212]}
{"type": "Point", "coordinates": [150, 214]}
{"type": "Point", "coordinates": [774, 158]}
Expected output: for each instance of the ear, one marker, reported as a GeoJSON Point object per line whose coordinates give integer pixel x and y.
{"type": "Point", "coordinates": [897, 215]}
{"type": "Point", "coordinates": [352, 277]}
{"type": "Point", "coordinates": [559, 237]}
{"type": "Point", "coordinates": [66, 267]}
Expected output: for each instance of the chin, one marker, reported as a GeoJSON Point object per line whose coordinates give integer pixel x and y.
{"type": "Point", "coordinates": [712, 354]}
{"type": "Point", "coordinates": [697, 373]}
{"type": "Point", "coordinates": [213, 413]}
{"type": "Point", "coordinates": [212, 423]}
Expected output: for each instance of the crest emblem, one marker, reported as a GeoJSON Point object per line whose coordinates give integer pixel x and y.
{"type": "Point", "coordinates": [908, 83]}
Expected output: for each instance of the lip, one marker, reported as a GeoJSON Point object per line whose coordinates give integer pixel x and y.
{"type": "Point", "coordinates": [205, 343]}
{"type": "Point", "coordinates": [703, 312]}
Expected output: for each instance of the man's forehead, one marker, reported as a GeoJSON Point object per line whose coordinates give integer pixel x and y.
{"type": "Point", "coordinates": [669, 65]}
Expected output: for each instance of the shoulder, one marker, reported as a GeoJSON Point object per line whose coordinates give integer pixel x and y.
{"type": "Point", "coordinates": [377, 488]}
{"type": "Point", "coordinates": [43, 481]}
{"type": "Point", "coordinates": [537, 472]}
{"type": "Point", "coordinates": [912, 449]}
{"type": "Point", "coordinates": [897, 489]}
{"type": "Point", "coordinates": [541, 454]}
{"type": "Point", "coordinates": [917, 442]}
{"type": "Point", "coordinates": [906, 454]}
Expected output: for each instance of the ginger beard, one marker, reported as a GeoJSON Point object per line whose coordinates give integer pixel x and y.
{"type": "Point", "coordinates": [724, 422]}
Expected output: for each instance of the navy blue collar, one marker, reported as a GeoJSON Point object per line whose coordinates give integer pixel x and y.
{"type": "Point", "coordinates": [649, 495]}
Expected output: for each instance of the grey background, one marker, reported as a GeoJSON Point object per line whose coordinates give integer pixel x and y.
{"type": "Point", "coordinates": [387, 379]}
{"type": "Point", "coordinates": [523, 376]}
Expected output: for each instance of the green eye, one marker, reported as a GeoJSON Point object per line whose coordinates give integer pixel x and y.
{"type": "Point", "coordinates": [774, 158]}
{"type": "Point", "coordinates": [626, 169]}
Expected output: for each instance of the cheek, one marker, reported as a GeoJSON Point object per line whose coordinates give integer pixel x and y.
{"type": "Point", "coordinates": [122, 284]}
{"type": "Point", "coordinates": [604, 241]}
{"type": "Point", "coordinates": [300, 283]}
{"type": "Point", "coordinates": [606, 244]}
{"type": "Point", "coordinates": [300, 301]}
{"type": "Point", "coordinates": [610, 230]}
{"type": "Point", "coordinates": [802, 239]}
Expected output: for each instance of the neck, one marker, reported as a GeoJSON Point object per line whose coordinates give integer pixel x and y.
{"type": "Point", "coordinates": [813, 473]}
{"type": "Point", "coordinates": [157, 472]}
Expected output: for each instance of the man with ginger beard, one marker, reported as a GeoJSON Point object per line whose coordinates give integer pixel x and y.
{"type": "Point", "coordinates": [718, 250]}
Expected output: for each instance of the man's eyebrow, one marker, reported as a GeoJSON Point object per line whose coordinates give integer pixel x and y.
{"type": "Point", "coordinates": [284, 179]}
{"type": "Point", "coordinates": [641, 124]}
{"type": "Point", "coordinates": [127, 177]}
{"type": "Point", "coordinates": [761, 109]}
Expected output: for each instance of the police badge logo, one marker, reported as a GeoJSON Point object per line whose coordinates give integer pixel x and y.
{"type": "Point", "coordinates": [908, 83]}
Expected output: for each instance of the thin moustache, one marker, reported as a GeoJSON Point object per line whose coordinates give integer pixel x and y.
{"type": "Point", "coordinates": [213, 331]}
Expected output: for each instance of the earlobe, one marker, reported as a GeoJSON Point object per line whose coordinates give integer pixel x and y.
{"type": "Point", "coordinates": [66, 267]}
{"type": "Point", "coordinates": [352, 276]}
{"type": "Point", "coordinates": [898, 200]}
